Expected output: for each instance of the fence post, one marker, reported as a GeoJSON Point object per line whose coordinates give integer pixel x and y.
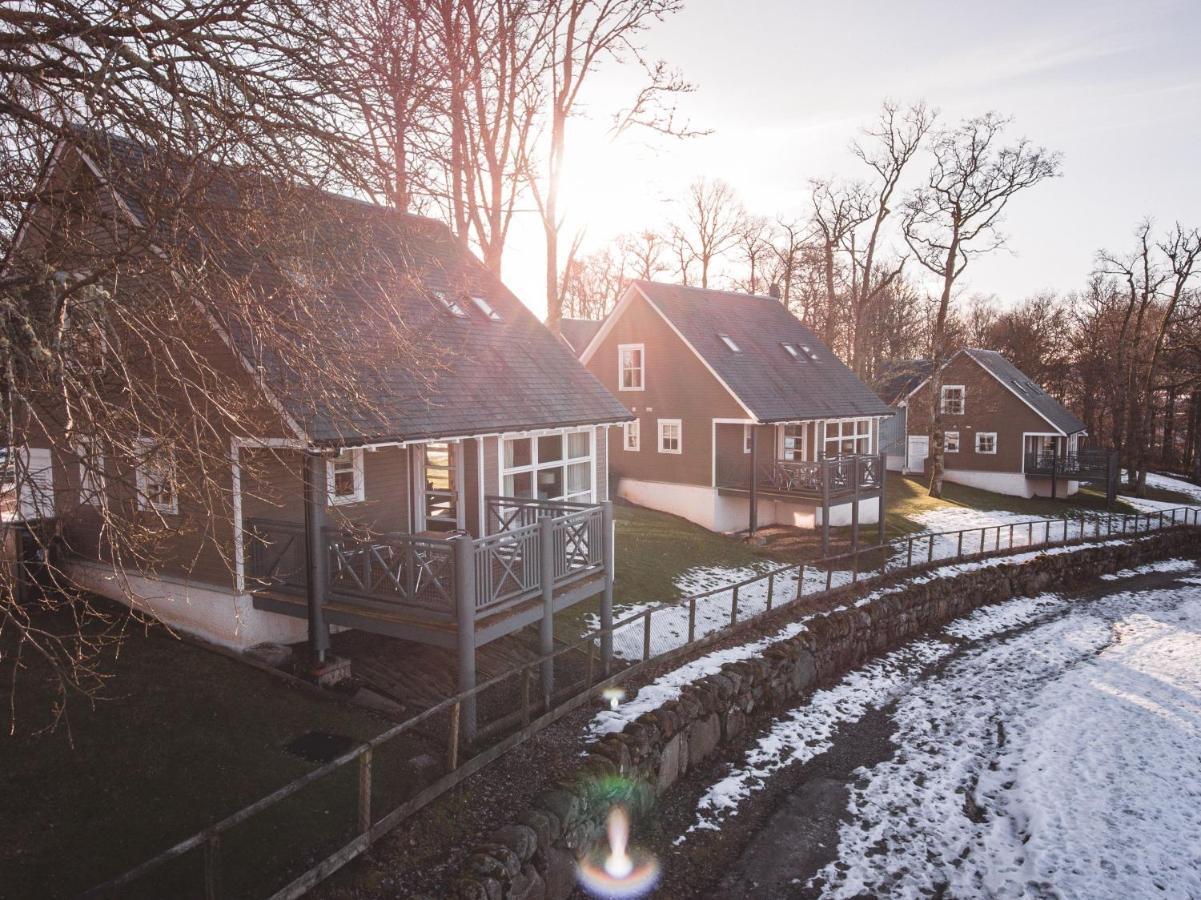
{"type": "Point", "coordinates": [909, 555]}
{"type": "Point", "coordinates": [692, 618]}
{"type": "Point", "coordinates": [212, 867]}
{"type": "Point", "coordinates": [930, 549]}
{"type": "Point", "coordinates": [606, 619]}
{"type": "Point", "coordinates": [982, 540]}
{"type": "Point", "coordinates": [734, 607]}
{"type": "Point", "coordinates": [959, 545]}
{"type": "Point", "coordinates": [464, 585]}
{"type": "Point", "coordinates": [829, 576]}
{"type": "Point", "coordinates": [546, 625]}
{"type": "Point", "coordinates": [855, 567]}
{"type": "Point", "coordinates": [771, 588]}
{"type": "Point", "coordinates": [365, 791]}
{"type": "Point", "coordinates": [646, 635]}
{"type": "Point", "coordinates": [800, 581]}
{"type": "Point", "coordinates": [452, 739]}
{"type": "Point", "coordinates": [1010, 535]}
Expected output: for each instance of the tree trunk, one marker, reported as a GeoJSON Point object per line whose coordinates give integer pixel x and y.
{"type": "Point", "coordinates": [1167, 453]}
{"type": "Point", "coordinates": [937, 357]}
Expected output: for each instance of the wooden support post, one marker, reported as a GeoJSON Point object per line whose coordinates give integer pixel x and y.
{"type": "Point", "coordinates": [825, 464]}
{"type": "Point", "coordinates": [753, 524]}
{"type": "Point", "coordinates": [930, 549]}
{"type": "Point", "coordinates": [856, 466]}
{"type": "Point", "coordinates": [800, 582]}
{"type": "Point", "coordinates": [546, 625]}
{"type": "Point", "coordinates": [959, 545]}
{"type": "Point", "coordinates": [646, 635]}
{"type": "Point", "coordinates": [880, 502]}
{"type": "Point", "coordinates": [316, 555]}
{"type": "Point", "coordinates": [365, 791]}
{"type": "Point", "coordinates": [606, 619]}
{"type": "Point", "coordinates": [909, 555]}
{"type": "Point", "coordinates": [212, 867]}
{"type": "Point", "coordinates": [691, 619]}
{"type": "Point", "coordinates": [463, 549]}
{"type": "Point", "coordinates": [1054, 465]}
{"type": "Point", "coordinates": [734, 607]}
{"type": "Point", "coordinates": [771, 588]}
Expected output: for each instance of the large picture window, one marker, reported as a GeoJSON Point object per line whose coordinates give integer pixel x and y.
{"type": "Point", "coordinates": [848, 437]}
{"type": "Point", "coordinates": [631, 366]}
{"type": "Point", "coordinates": [549, 467]}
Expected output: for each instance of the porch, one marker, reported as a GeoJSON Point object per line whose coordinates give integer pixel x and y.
{"type": "Point", "coordinates": [1096, 465]}
{"type": "Point", "coordinates": [447, 590]}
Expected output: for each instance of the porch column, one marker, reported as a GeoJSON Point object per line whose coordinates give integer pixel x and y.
{"type": "Point", "coordinates": [825, 464]}
{"type": "Point", "coordinates": [316, 557]}
{"type": "Point", "coordinates": [856, 475]}
{"type": "Point", "coordinates": [754, 522]}
{"type": "Point", "coordinates": [464, 556]}
{"type": "Point", "coordinates": [1054, 463]}
{"type": "Point", "coordinates": [610, 557]}
{"type": "Point", "coordinates": [546, 626]}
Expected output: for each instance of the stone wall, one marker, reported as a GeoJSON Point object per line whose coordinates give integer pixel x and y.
{"type": "Point", "coordinates": [534, 857]}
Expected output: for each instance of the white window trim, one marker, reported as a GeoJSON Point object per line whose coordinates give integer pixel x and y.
{"type": "Point", "coordinates": [942, 399]}
{"type": "Point", "coordinates": [535, 465]}
{"type": "Point", "coordinates": [679, 432]}
{"type": "Point", "coordinates": [746, 438]}
{"type": "Point", "coordinates": [360, 488]}
{"type": "Point", "coordinates": [632, 430]}
{"type": "Point", "coordinates": [92, 481]}
{"type": "Point", "coordinates": [946, 437]}
{"type": "Point", "coordinates": [993, 435]}
{"type": "Point", "coordinates": [144, 501]}
{"type": "Point", "coordinates": [621, 349]}
{"type": "Point", "coordinates": [854, 435]}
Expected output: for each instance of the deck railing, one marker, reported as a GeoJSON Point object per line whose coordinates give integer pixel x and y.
{"type": "Point", "coordinates": [394, 570]}
{"type": "Point", "coordinates": [803, 478]}
{"type": "Point", "coordinates": [1082, 463]}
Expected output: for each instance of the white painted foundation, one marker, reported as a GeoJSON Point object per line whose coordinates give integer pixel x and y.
{"type": "Point", "coordinates": [208, 611]}
{"type": "Point", "coordinates": [1014, 484]}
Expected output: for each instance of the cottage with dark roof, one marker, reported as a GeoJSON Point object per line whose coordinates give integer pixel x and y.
{"type": "Point", "coordinates": [1003, 431]}
{"type": "Point", "coordinates": [431, 487]}
{"type": "Point", "coordinates": [741, 416]}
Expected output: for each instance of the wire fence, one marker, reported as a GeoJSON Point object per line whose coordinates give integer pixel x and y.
{"type": "Point", "coordinates": [372, 788]}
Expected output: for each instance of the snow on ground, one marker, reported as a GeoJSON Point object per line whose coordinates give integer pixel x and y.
{"type": "Point", "coordinates": [1061, 760]}
{"type": "Point", "coordinates": [957, 518]}
{"type": "Point", "coordinates": [1164, 483]}
{"type": "Point", "coordinates": [1167, 565]}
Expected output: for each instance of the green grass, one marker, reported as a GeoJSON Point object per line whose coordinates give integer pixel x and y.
{"type": "Point", "coordinates": [182, 738]}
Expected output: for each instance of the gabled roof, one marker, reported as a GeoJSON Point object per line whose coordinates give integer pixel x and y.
{"type": "Point", "coordinates": [898, 377]}
{"type": "Point", "coordinates": [770, 382]}
{"type": "Point", "coordinates": [1027, 390]}
{"type": "Point", "coordinates": [458, 376]}
{"type": "Point", "coordinates": [578, 332]}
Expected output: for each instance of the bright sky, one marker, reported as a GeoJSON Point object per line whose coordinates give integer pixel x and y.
{"type": "Point", "coordinates": [1115, 85]}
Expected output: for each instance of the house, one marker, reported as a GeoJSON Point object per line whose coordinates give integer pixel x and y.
{"type": "Point", "coordinates": [450, 506]}
{"type": "Point", "coordinates": [1003, 431]}
{"type": "Point", "coordinates": [576, 333]}
{"type": "Point", "coordinates": [894, 381]}
{"type": "Point", "coordinates": [741, 416]}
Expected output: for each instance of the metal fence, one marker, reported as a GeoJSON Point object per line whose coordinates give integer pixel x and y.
{"type": "Point", "coordinates": [354, 788]}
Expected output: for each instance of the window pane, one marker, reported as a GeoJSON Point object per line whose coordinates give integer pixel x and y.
{"type": "Point", "coordinates": [832, 430]}
{"type": "Point", "coordinates": [437, 455]}
{"type": "Point", "coordinates": [550, 483]}
{"type": "Point", "coordinates": [517, 453]}
{"type": "Point", "coordinates": [519, 485]}
{"type": "Point", "coordinates": [550, 448]}
{"type": "Point", "coordinates": [579, 477]}
{"type": "Point", "coordinates": [344, 484]}
{"type": "Point", "coordinates": [579, 444]}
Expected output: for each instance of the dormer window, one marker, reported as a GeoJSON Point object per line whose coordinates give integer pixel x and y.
{"type": "Point", "coordinates": [450, 304]}
{"type": "Point", "coordinates": [729, 342]}
{"type": "Point", "coordinates": [486, 308]}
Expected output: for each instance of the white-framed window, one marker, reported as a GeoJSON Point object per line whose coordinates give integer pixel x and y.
{"type": "Point", "coordinates": [549, 467]}
{"type": "Point", "coordinates": [952, 399]}
{"type": "Point", "coordinates": [157, 481]}
{"type": "Point", "coordinates": [951, 441]}
{"type": "Point", "coordinates": [450, 304]}
{"type": "Point", "coordinates": [633, 436]}
{"type": "Point", "coordinates": [746, 438]}
{"type": "Point", "coordinates": [791, 349]}
{"type": "Point", "coordinates": [488, 310]}
{"type": "Point", "coordinates": [344, 478]}
{"type": "Point", "coordinates": [986, 442]}
{"type": "Point", "coordinates": [30, 470]}
{"type": "Point", "coordinates": [671, 436]}
{"type": "Point", "coordinates": [794, 442]}
{"type": "Point", "coordinates": [848, 437]}
{"type": "Point", "coordinates": [631, 367]}
{"type": "Point", "coordinates": [91, 472]}
{"type": "Point", "coordinates": [731, 345]}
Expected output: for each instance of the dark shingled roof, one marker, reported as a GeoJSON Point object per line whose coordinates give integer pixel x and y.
{"type": "Point", "coordinates": [772, 384]}
{"type": "Point", "coordinates": [579, 332]}
{"type": "Point", "coordinates": [897, 377]}
{"type": "Point", "coordinates": [1030, 391]}
{"type": "Point", "coordinates": [481, 376]}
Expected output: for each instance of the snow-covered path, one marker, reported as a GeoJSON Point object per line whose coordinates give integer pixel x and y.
{"type": "Point", "coordinates": [1064, 760]}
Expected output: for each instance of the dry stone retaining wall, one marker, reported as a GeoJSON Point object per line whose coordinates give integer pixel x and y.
{"type": "Point", "coordinates": [534, 857]}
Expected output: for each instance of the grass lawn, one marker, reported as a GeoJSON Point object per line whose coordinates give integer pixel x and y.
{"type": "Point", "coordinates": [183, 738]}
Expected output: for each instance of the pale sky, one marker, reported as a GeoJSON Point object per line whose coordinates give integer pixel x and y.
{"type": "Point", "coordinates": [785, 86]}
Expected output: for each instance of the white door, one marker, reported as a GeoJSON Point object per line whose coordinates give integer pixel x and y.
{"type": "Point", "coordinates": [919, 449]}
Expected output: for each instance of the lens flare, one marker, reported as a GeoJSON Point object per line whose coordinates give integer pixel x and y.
{"type": "Point", "coordinates": [615, 871]}
{"type": "Point", "coordinates": [614, 695]}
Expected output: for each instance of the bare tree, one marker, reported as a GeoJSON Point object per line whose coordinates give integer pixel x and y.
{"type": "Point", "coordinates": [956, 215]}
{"type": "Point", "coordinates": [713, 219]}
{"type": "Point", "coordinates": [643, 252]}
{"type": "Point", "coordinates": [754, 245]}
{"type": "Point", "coordinates": [837, 210]}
